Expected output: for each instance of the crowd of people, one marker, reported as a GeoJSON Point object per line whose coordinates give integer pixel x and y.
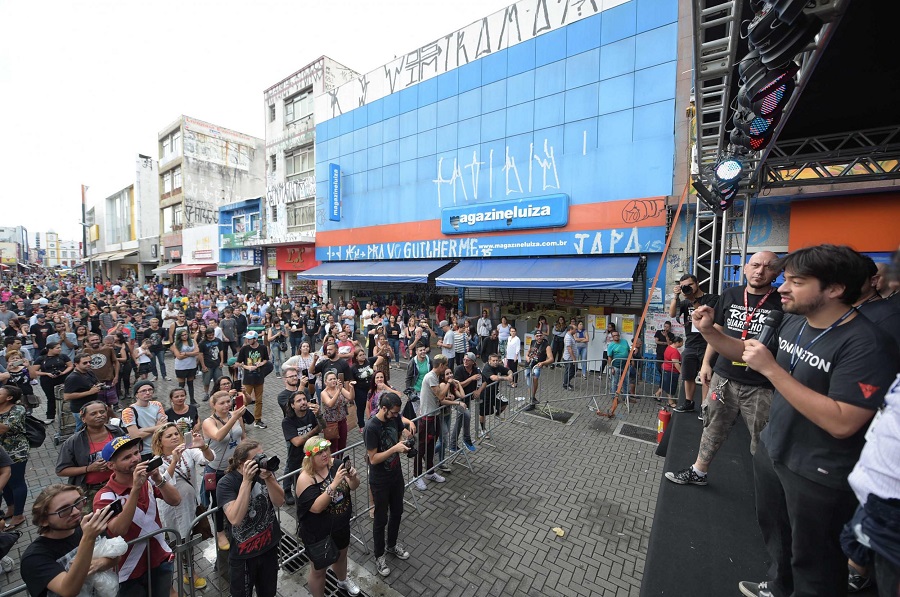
{"type": "Point", "coordinates": [138, 462]}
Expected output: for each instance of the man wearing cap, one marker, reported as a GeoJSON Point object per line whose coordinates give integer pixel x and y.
{"type": "Point", "coordinates": [468, 376]}
{"type": "Point", "coordinates": [446, 343]}
{"type": "Point", "coordinates": [79, 456]}
{"type": "Point", "coordinates": [539, 356]}
{"type": "Point", "coordinates": [251, 359]}
{"type": "Point", "coordinates": [129, 485]}
{"type": "Point", "coordinates": [145, 416]}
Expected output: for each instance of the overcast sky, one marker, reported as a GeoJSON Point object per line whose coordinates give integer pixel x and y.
{"type": "Point", "coordinates": [85, 86]}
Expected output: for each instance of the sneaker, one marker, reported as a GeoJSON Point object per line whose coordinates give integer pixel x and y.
{"type": "Point", "coordinates": [199, 582]}
{"type": "Point", "coordinates": [47, 421]}
{"type": "Point", "coordinates": [856, 582]}
{"type": "Point", "coordinates": [469, 446]}
{"type": "Point", "coordinates": [687, 476]}
{"type": "Point", "coordinates": [8, 564]}
{"type": "Point", "coordinates": [435, 477]}
{"type": "Point", "coordinates": [445, 468]}
{"type": "Point", "coordinates": [504, 399]}
{"type": "Point", "coordinates": [530, 407]}
{"type": "Point", "coordinates": [481, 433]}
{"type": "Point", "coordinates": [348, 585]}
{"type": "Point", "coordinates": [381, 566]}
{"type": "Point", "coordinates": [289, 499]}
{"type": "Point", "coordinates": [168, 378]}
{"type": "Point", "coordinates": [569, 388]}
{"type": "Point", "coordinates": [420, 485]}
{"type": "Point", "coordinates": [752, 589]}
{"type": "Point", "coordinates": [687, 407]}
{"type": "Point", "coordinates": [260, 425]}
{"type": "Point", "coordinates": [155, 379]}
{"type": "Point", "coordinates": [398, 551]}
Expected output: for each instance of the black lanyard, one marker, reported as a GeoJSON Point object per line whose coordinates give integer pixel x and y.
{"type": "Point", "coordinates": [748, 314]}
{"type": "Point", "coordinates": [795, 355]}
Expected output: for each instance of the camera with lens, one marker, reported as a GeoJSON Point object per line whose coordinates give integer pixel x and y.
{"type": "Point", "coordinates": [266, 463]}
{"type": "Point", "coordinates": [687, 289]}
{"type": "Point", "coordinates": [411, 444]}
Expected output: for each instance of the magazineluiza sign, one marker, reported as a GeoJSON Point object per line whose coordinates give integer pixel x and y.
{"type": "Point", "coordinates": [550, 211]}
{"type": "Point", "coordinates": [334, 192]}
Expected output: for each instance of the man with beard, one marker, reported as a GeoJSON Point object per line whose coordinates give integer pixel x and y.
{"type": "Point", "coordinates": [105, 365]}
{"type": "Point", "coordinates": [832, 370]}
{"type": "Point", "coordinates": [301, 422]}
{"type": "Point", "coordinates": [81, 386]}
{"type": "Point", "coordinates": [59, 560]}
{"type": "Point", "coordinates": [332, 361]}
{"type": "Point", "coordinates": [137, 490]}
{"type": "Point", "coordinates": [79, 457]}
{"type": "Point", "coordinates": [736, 388]}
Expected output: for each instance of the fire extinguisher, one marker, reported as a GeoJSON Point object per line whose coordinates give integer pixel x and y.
{"type": "Point", "coordinates": [662, 423]}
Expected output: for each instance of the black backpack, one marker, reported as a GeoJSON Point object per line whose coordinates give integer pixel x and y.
{"type": "Point", "coordinates": [35, 431]}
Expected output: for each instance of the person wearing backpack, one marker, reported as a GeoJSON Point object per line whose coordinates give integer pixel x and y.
{"type": "Point", "coordinates": [15, 442]}
{"type": "Point", "coordinates": [144, 417]}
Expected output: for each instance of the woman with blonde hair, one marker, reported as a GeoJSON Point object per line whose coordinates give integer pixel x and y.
{"type": "Point", "coordinates": [224, 429]}
{"type": "Point", "coordinates": [180, 464]}
{"type": "Point", "coordinates": [324, 509]}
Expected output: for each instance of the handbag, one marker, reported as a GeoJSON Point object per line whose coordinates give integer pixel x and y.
{"type": "Point", "coordinates": [282, 346]}
{"type": "Point", "coordinates": [35, 431]}
{"type": "Point", "coordinates": [331, 431]}
{"type": "Point", "coordinates": [202, 525]}
{"type": "Point", "coordinates": [323, 553]}
{"type": "Point", "coordinates": [209, 479]}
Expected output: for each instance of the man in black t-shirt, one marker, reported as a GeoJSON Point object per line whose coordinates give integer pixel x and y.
{"type": "Point", "coordinates": [251, 358]}
{"type": "Point", "coordinates": [332, 361]}
{"type": "Point", "coordinates": [492, 374]}
{"type": "Point", "coordinates": [831, 372]}
{"type": "Point", "coordinates": [694, 343]}
{"type": "Point", "coordinates": [311, 328]}
{"type": "Point", "coordinates": [212, 358]}
{"type": "Point", "coordinates": [40, 331]}
{"type": "Point", "coordinates": [60, 558]}
{"type": "Point", "coordinates": [250, 498]}
{"type": "Point", "coordinates": [157, 336]}
{"type": "Point", "coordinates": [383, 436]}
{"type": "Point", "coordinates": [300, 423]}
{"type": "Point", "coordinates": [740, 313]}
{"type": "Point", "coordinates": [539, 356]}
{"type": "Point", "coordinates": [81, 386]}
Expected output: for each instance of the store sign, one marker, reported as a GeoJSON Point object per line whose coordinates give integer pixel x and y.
{"type": "Point", "coordinates": [237, 240]}
{"type": "Point", "coordinates": [561, 243]}
{"type": "Point", "coordinates": [203, 254]}
{"type": "Point", "coordinates": [272, 273]}
{"type": "Point", "coordinates": [334, 192]}
{"type": "Point", "coordinates": [295, 258]}
{"type": "Point", "coordinates": [173, 253]}
{"type": "Point", "coordinates": [551, 211]}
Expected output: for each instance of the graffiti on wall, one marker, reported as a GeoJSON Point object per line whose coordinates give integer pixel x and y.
{"type": "Point", "coordinates": [216, 150]}
{"type": "Point", "coordinates": [305, 77]}
{"type": "Point", "coordinates": [514, 24]}
{"type": "Point", "coordinates": [289, 191]}
{"type": "Point", "coordinates": [198, 212]}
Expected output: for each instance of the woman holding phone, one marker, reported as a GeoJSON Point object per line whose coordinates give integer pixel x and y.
{"type": "Point", "coordinates": [336, 395]}
{"type": "Point", "coordinates": [179, 468]}
{"type": "Point", "coordinates": [324, 507]}
{"type": "Point", "coordinates": [224, 430]}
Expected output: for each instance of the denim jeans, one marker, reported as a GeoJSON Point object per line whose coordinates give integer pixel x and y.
{"type": "Point", "coordinates": [161, 357]}
{"type": "Point", "coordinates": [394, 343]}
{"type": "Point", "coordinates": [581, 355]}
{"type": "Point", "coordinates": [569, 373]}
{"type": "Point", "coordinates": [446, 419]}
{"type": "Point", "coordinates": [463, 421]}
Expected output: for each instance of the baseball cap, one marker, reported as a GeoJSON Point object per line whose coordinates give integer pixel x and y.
{"type": "Point", "coordinates": [538, 332]}
{"type": "Point", "coordinates": [443, 323]}
{"type": "Point", "coordinates": [251, 335]}
{"type": "Point", "coordinates": [470, 356]}
{"type": "Point", "coordinates": [118, 443]}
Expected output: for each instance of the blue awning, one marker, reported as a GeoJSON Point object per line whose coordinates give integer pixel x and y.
{"type": "Point", "coordinates": [402, 272]}
{"type": "Point", "coordinates": [599, 273]}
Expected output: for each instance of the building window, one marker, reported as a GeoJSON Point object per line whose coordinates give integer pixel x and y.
{"type": "Point", "coordinates": [298, 106]}
{"type": "Point", "coordinates": [167, 182]}
{"type": "Point", "coordinates": [176, 178]}
{"type": "Point", "coordinates": [272, 163]}
{"type": "Point", "coordinates": [300, 162]}
{"type": "Point", "coordinates": [238, 225]}
{"type": "Point", "coordinates": [170, 145]}
{"type": "Point", "coordinates": [173, 218]}
{"type": "Point", "coordinates": [271, 112]}
{"type": "Point", "coordinates": [253, 223]}
{"type": "Point", "coordinates": [301, 215]}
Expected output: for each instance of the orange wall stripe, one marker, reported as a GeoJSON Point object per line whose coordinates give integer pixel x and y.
{"type": "Point", "coordinates": [628, 213]}
{"type": "Point", "coordinates": [865, 222]}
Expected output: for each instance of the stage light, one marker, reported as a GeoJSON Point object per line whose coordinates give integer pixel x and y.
{"type": "Point", "coordinates": [767, 94]}
{"type": "Point", "coordinates": [729, 171]}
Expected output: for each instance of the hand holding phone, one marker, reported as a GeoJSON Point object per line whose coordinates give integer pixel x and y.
{"type": "Point", "coordinates": [239, 401]}
{"type": "Point", "coordinates": [347, 464]}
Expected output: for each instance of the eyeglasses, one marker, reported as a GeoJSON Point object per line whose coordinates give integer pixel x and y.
{"type": "Point", "coordinates": [319, 448]}
{"type": "Point", "coordinates": [66, 510]}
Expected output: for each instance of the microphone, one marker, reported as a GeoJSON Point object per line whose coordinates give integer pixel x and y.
{"type": "Point", "coordinates": [771, 323]}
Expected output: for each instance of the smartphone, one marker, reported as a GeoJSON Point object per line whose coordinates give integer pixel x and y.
{"type": "Point", "coordinates": [116, 507]}
{"type": "Point", "coordinates": [347, 465]}
{"type": "Point", "coordinates": [188, 439]}
{"type": "Point", "coordinates": [341, 377]}
{"type": "Point", "coordinates": [154, 463]}
{"type": "Point", "coordinates": [238, 401]}
{"type": "Point", "coordinates": [304, 373]}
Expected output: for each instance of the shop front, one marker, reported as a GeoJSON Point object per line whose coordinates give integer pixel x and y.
{"type": "Point", "coordinates": [200, 255]}
{"type": "Point", "coordinates": [287, 262]}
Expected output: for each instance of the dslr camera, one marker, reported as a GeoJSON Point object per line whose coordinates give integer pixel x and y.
{"type": "Point", "coordinates": [687, 289]}
{"type": "Point", "coordinates": [411, 444]}
{"type": "Point", "coordinates": [266, 463]}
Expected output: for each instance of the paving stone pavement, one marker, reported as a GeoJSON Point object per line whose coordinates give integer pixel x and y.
{"type": "Point", "coordinates": [488, 530]}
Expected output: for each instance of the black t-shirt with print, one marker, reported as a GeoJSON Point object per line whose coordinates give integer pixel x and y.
{"type": "Point", "coordinates": [732, 316]}
{"type": "Point", "coordinates": [382, 436]}
{"type": "Point", "coordinates": [156, 339]}
{"type": "Point", "coordinates": [55, 365]}
{"type": "Point", "coordinates": [686, 308]}
{"type": "Point", "coordinates": [854, 363]}
{"type": "Point", "coordinates": [249, 355]}
{"type": "Point", "coordinates": [212, 353]}
{"type": "Point", "coordinates": [293, 426]}
{"type": "Point", "coordinates": [260, 531]}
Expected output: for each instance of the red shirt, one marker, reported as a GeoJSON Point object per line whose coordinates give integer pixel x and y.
{"type": "Point", "coordinates": [94, 448]}
{"type": "Point", "coordinates": [671, 354]}
{"type": "Point", "coordinates": [130, 565]}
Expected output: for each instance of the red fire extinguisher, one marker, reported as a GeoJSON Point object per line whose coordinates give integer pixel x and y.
{"type": "Point", "coordinates": [662, 423]}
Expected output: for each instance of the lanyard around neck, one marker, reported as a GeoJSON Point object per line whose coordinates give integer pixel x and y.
{"type": "Point", "coordinates": [748, 314]}
{"type": "Point", "coordinates": [795, 355]}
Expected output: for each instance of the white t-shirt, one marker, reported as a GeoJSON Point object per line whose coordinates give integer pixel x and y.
{"type": "Point", "coordinates": [513, 346]}
{"type": "Point", "coordinates": [447, 349]}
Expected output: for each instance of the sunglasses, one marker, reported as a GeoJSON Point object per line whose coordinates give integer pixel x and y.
{"type": "Point", "coordinates": [319, 448]}
{"type": "Point", "coordinates": [77, 505]}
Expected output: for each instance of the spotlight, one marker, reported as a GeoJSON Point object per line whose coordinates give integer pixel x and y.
{"type": "Point", "coordinates": [768, 92]}
{"type": "Point", "coordinates": [729, 171]}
